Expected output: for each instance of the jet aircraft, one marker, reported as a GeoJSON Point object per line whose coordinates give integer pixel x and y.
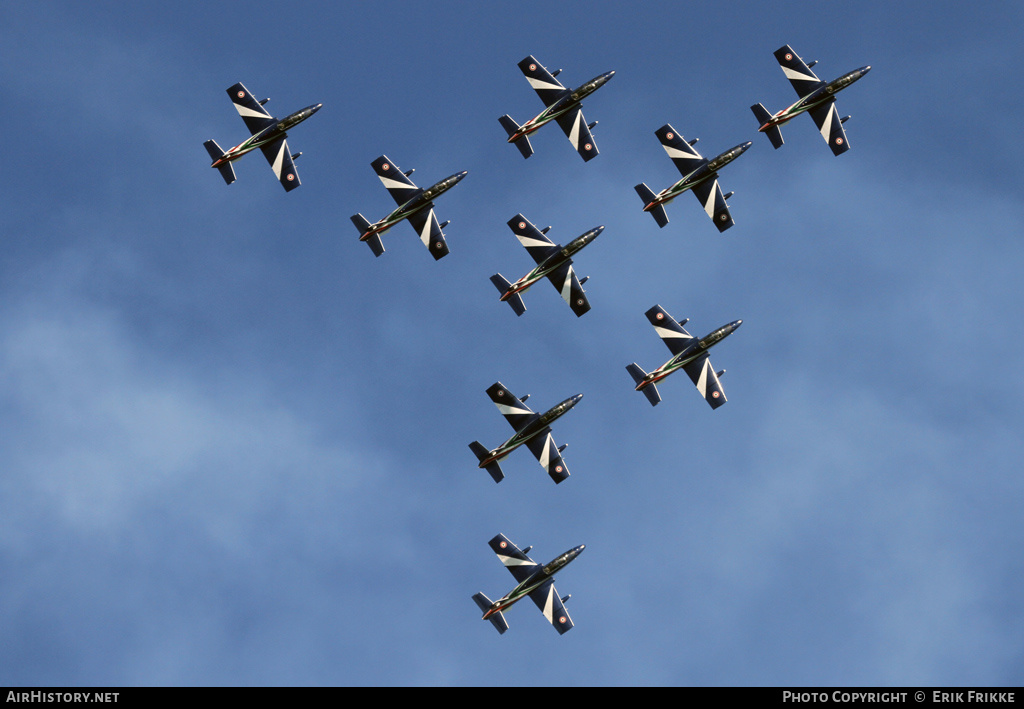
{"type": "Point", "coordinates": [699, 175]}
{"type": "Point", "coordinates": [689, 353]}
{"type": "Point", "coordinates": [414, 204]}
{"type": "Point", "coordinates": [268, 134]}
{"type": "Point", "coordinates": [562, 105]}
{"type": "Point", "coordinates": [816, 98]}
{"type": "Point", "coordinates": [552, 260]}
{"type": "Point", "coordinates": [531, 428]}
{"type": "Point", "coordinates": [534, 580]}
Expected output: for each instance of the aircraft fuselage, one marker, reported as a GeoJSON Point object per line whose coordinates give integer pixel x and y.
{"type": "Point", "coordinates": [267, 135]}
{"type": "Point", "coordinates": [562, 106]}
{"type": "Point", "coordinates": [552, 262]}
{"type": "Point", "coordinates": [534, 581]}
{"type": "Point", "coordinates": [531, 430]}
{"type": "Point", "coordinates": [423, 200]}
{"type": "Point", "coordinates": [707, 171]}
{"type": "Point", "coordinates": [814, 99]}
{"type": "Point", "coordinates": [692, 352]}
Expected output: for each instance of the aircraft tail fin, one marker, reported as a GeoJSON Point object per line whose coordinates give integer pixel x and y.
{"type": "Point", "coordinates": [481, 454]}
{"type": "Point", "coordinates": [648, 196]}
{"type": "Point", "coordinates": [773, 133]}
{"type": "Point", "coordinates": [498, 619]}
{"type": "Point", "coordinates": [515, 300]}
{"type": "Point", "coordinates": [511, 127]}
{"type": "Point", "coordinates": [650, 391]}
{"type": "Point", "coordinates": [373, 241]}
{"type": "Point", "coordinates": [226, 170]}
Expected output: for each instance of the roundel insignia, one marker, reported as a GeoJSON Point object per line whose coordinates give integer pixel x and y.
{"type": "Point", "coordinates": [522, 225]}
{"type": "Point", "coordinates": [723, 216]}
{"type": "Point", "coordinates": [501, 392]}
{"type": "Point", "coordinates": [587, 146]}
{"type": "Point", "coordinates": [714, 394]}
{"type": "Point", "coordinates": [579, 301]}
{"type": "Point", "coordinates": [839, 140]}
{"type": "Point", "coordinates": [385, 166]}
{"type": "Point", "coordinates": [669, 136]}
{"type": "Point", "coordinates": [562, 620]}
{"type": "Point", "coordinates": [290, 177]}
{"type": "Point", "coordinates": [437, 244]}
{"type": "Point", "coordinates": [558, 468]}
{"type": "Point", "coordinates": [502, 544]}
{"type": "Point", "coordinates": [659, 316]}
{"type": "Point", "coordinates": [533, 67]}
{"type": "Point", "coordinates": [241, 94]}
{"type": "Point", "coordinates": [789, 57]}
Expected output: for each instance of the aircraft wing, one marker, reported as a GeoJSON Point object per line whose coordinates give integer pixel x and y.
{"type": "Point", "coordinates": [575, 127]}
{"type": "Point", "coordinates": [399, 186]}
{"type": "Point", "coordinates": [515, 412]}
{"type": "Point", "coordinates": [281, 162]}
{"type": "Point", "coordinates": [831, 128]}
{"type": "Point", "coordinates": [684, 156]}
{"type": "Point", "coordinates": [711, 198]}
{"type": "Point", "coordinates": [565, 282]}
{"type": "Point", "coordinates": [546, 86]}
{"type": "Point", "coordinates": [252, 112]}
{"type": "Point", "coordinates": [537, 245]}
{"type": "Point", "coordinates": [427, 226]}
{"type": "Point", "coordinates": [799, 74]}
{"type": "Point", "coordinates": [546, 598]}
{"type": "Point", "coordinates": [544, 449]}
{"type": "Point", "coordinates": [519, 564]}
{"type": "Point", "coordinates": [704, 378]}
{"type": "Point", "coordinates": [671, 332]}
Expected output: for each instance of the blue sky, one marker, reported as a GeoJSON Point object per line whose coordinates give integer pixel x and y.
{"type": "Point", "coordinates": [234, 443]}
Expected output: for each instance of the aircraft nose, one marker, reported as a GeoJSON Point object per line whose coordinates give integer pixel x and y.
{"type": "Point", "coordinates": [737, 324]}
{"type": "Point", "coordinates": [866, 69]}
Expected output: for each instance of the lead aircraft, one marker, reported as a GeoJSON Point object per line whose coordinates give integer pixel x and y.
{"type": "Point", "coordinates": [816, 98]}
{"type": "Point", "coordinates": [552, 260]}
{"type": "Point", "coordinates": [414, 204]}
{"type": "Point", "coordinates": [534, 580]}
{"type": "Point", "coordinates": [699, 175]}
{"type": "Point", "coordinates": [562, 105]}
{"type": "Point", "coordinates": [268, 134]}
{"type": "Point", "coordinates": [531, 428]}
{"type": "Point", "coordinates": [688, 353]}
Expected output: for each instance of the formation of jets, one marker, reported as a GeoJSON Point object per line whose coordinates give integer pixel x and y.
{"type": "Point", "coordinates": [554, 262]}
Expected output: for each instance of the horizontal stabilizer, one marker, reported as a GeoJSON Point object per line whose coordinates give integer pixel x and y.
{"type": "Point", "coordinates": [514, 300]}
{"type": "Point", "coordinates": [498, 619]}
{"type": "Point", "coordinates": [511, 127]}
{"type": "Point", "coordinates": [481, 454]}
{"type": "Point", "coordinates": [373, 241]}
{"type": "Point", "coordinates": [650, 391]}
{"type": "Point", "coordinates": [648, 196]}
{"type": "Point", "coordinates": [226, 170]}
{"type": "Point", "coordinates": [773, 133]}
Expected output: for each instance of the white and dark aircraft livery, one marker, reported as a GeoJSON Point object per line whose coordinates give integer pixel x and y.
{"type": "Point", "coordinates": [531, 428]}
{"type": "Point", "coordinates": [561, 104]}
{"type": "Point", "coordinates": [816, 98]}
{"type": "Point", "coordinates": [553, 261]}
{"type": "Point", "coordinates": [534, 580]}
{"type": "Point", "coordinates": [268, 134]}
{"type": "Point", "coordinates": [689, 353]}
{"type": "Point", "coordinates": [414, 204]}
{"type": "Point", "coordinates": [700, 176]}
